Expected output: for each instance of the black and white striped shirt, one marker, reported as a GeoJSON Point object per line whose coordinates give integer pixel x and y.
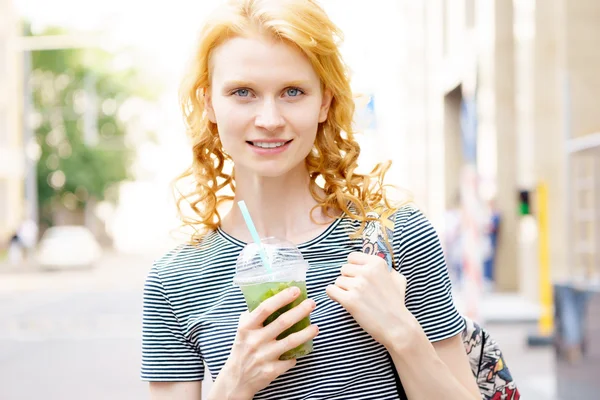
{"type": "Point", "coordinates": [191, 311]}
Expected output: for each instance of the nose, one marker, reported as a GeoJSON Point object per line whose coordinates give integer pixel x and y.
{"type": "Point", "coordinates": [269, 117]}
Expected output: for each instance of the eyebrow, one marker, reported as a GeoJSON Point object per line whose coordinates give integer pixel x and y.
{"type": "Point", "coordinates": [239, 83]}
{"type": "Point", "coordinates": [235, 84]}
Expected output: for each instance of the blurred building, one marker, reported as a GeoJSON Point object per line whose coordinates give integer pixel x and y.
{"type": "Point", "coordinates": [501, 85]}
{"type": "Point", "coordinates": [567, 113]}
{"type": "Point", "coordinates": [11, 150]}
{"type": "Point", "coordinates": [531, 67]}
{"type": "Point", "coordinates": [476, 90]}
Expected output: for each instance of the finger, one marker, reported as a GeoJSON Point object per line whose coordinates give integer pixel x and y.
{"type": "Point", "coordinates": [357, 258]}
{"type": "Point", "coordinates": [272, 304]}
{"type": "Point", "coordinates": [360, 258]}
{"type": "Point", "coordinates": [344, 282]}
{"type": "Point", "coordinates": [283, 366]}
{"type": "Point", "coordinates": [289, 318]}
{"type": "Point", "coordinates": [295, 339]}
{"type": "Point", "coordinates": [337, 294]}
{"type": "Point", "coordinates": [351, 270]}
{"type": "Point", "coordinates": [245, 318]}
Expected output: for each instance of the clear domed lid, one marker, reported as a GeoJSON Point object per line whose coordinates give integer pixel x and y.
{"type": "Point", "coordinates": [285, 261]}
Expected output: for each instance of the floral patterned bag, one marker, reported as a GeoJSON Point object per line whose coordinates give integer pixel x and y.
{"type": "Point", "coordinates": [487, 362]}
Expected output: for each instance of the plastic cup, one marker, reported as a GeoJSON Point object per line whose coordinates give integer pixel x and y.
{"type": "Point", "coordinates": [258, 282]}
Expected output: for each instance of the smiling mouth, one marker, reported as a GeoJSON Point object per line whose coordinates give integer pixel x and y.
{"type": "Point", "coordinates": [268, 145]}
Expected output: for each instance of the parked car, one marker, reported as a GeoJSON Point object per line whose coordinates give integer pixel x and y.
{"type": "Point", "coordinates": [68, 247]}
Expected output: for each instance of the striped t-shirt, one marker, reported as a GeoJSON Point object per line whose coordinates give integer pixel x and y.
{"type": "Point", "coordinates": [191, 311]}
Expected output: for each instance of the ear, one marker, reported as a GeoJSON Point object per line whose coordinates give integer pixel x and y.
{"type": "Point", "coordinates": [208, 106]}
{"type": "Point", "coordinates": [325, 104]}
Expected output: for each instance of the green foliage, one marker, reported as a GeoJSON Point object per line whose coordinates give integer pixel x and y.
{"type": "Point", "coordinates": [77, 95]}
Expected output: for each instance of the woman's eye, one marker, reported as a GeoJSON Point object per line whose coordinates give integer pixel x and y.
{"type": "Point", "coordinates": [242, 92]}
{"type": "Point", "coordinates": [293, 92]}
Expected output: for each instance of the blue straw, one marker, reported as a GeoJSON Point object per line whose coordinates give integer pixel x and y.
{"type": "Point", "coordinates": [254, 234]}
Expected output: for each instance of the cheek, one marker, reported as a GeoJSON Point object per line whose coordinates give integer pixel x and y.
{"type": "Point", "coordinates": [305, 123]}
{"type": "Point", "coordinates": [231, 122]}
{"type": "Point", "coordinates": [226, 141]}
{"type": "Point", "coordinates": [222, 108]}
{"type": "Point", "coordinates": [308, 135]}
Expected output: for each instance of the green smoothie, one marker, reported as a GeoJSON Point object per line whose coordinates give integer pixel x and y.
{"type": "Point", "coordinates": [256, 294]}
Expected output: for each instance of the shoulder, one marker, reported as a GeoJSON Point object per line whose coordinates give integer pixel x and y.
{"type": "Point", "coordinates": [414, 235]}
{"type": "Point", "coordinates": [409, 219]}
{"type": "Point", "coordinates": [177, 257]}
{"type": "Point", "coordinates": [169, 268]}
{"type": "Point", "coordinates": [186, 259]}
{"type": "Point", "coordinates": [404, 213]}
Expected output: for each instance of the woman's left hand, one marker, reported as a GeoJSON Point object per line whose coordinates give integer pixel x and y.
{"type": "Point", "coordinates": [374, 296]}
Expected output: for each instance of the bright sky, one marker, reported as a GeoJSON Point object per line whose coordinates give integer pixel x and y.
{"type": "Point", "coordinates": [167, 28]}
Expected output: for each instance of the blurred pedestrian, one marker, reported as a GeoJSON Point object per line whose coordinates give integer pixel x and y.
{"type": "Point", "coordinates": [15, 250]}
{"type": "Point", "coordinates": [453, 235]}
{"type": "Point", "coordinates": [492, 232]}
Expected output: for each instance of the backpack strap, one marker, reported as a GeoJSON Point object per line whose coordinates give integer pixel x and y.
{"type": "Point", "coordinates": [377, 238]}
{"type": "Point", "coordinates": [378, 234]}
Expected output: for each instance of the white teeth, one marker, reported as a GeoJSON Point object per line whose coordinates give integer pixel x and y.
{"type": "Point", "coordinates": [269, 145]}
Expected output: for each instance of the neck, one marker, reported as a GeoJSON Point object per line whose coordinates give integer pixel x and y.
{"type": "Point", "coordinates": [279, 206]}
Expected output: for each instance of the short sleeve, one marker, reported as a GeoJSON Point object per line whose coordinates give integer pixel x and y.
{"type": "Point", "coordinates": [420, 259]}
{"type": "Point", "coordinates": [167, 355]}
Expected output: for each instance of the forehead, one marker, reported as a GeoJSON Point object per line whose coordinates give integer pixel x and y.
{"type": "Point", "coordinates": [260, 60]}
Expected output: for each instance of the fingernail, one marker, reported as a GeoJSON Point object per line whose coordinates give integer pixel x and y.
{"type": "Point", "coordinates": [294, 291]}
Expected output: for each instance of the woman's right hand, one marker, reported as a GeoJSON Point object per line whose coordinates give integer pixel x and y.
{"type": "Point", "coordinates": [254, 359]}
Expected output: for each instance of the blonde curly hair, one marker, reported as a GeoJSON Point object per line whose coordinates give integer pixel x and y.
{"type": "Point", "coordinates": [333, 160]}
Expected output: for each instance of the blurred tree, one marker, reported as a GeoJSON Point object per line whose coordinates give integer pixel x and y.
{"type": "Point", "coordinates": [80, 125]}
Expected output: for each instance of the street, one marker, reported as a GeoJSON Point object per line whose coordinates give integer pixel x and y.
{"type": "Point", "coordinates": [72, 335]}
{"type": "Point", "coordinates": [75, 335]}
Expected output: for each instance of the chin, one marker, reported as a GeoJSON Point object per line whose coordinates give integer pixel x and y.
{"type": "Point", "coordinates": [271, 170]}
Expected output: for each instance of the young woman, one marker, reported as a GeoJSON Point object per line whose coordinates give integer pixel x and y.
{"type": "Point", "coordinates": [269, 93]}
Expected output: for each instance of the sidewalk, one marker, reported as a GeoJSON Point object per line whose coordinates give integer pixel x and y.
{"type": "Point", "coordinates": [532, 368]}
{"type": "Point", "coordinates": [581, 380]}
{"type": "Point", "coordinates": [114, 270]}
{"type": "Point", "coordinates": [502, 307]}
{"type": "Point", "coordinates": [510, 319]}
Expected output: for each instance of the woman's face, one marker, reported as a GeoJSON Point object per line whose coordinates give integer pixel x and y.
{"type": "Point", "coordinates": [267, 102]}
